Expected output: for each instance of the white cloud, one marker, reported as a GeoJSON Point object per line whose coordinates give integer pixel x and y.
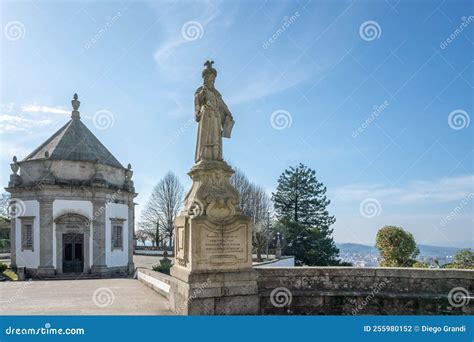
{"type": "Point", "coordinates": [27, 118]}
{"type": "Point", "coordinates": [13, 123]}
{"type": "Point", "coordinates": [421, 207]}
{"type": "Point", "coordinates": [180, 59]}
{"type": "Point", "coordinates": [33, 108]}
{"type": "Point", "coordinates": [174, 43]}
{"type": "Point", "coordinates": [442, 190]}
{"type": "Point", "coordinates": [9, 149]}
{"type": "Point", "coordinates": [265, 85]}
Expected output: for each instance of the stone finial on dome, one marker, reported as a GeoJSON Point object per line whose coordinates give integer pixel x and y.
{"type": "Point", "coordinates": [75, 106]}
{"type": "Point", "coordinates": [129, 172]}
{"type": "Point", "coordinates": [14, 165]}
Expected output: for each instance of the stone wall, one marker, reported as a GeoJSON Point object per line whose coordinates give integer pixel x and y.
{"type": "Point", "coordinates": [346, 291]}
{"type": "Point", "coordinates": [364, 291]}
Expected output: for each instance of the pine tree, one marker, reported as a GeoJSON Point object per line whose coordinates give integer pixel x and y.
{"type": "Point", "coordinates": [300, 204]}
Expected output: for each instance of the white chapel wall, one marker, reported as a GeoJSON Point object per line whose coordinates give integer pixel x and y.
{"type": "Point", "coordinates": [117, 257]}
{"type": "Point", "coordinates": [28, 258]}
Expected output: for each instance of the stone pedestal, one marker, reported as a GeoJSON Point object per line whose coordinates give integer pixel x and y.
{"type": "Point", "coordinates": [214, 292]}
{"type": "Point", "coordinates": [213, 248]}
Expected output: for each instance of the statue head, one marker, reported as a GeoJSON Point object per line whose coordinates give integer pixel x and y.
{"type": "Point", "coordinates": [209, 74]}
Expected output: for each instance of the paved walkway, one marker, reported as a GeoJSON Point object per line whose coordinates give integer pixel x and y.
{"type": "Point", "coordinates": [81, 297]}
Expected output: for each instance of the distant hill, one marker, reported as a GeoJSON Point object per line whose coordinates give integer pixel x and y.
{"type": "Point", "coordinates": [425, 250]}
{"type": "Point", "coordinates": [356, 248]}
{"type": "Point", "coordinates": [433, 251]}
{"type": "Point", "coordinates": [354, 252]}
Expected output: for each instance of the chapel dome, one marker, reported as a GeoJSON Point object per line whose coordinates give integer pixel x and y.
{"type": "Point", "coordinates": [72, 156]}
{"type": "Point", "coordinates": [74, 142]}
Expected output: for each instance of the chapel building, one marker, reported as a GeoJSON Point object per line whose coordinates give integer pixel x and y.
{"type": "Point", "coordinates": [72, 207]}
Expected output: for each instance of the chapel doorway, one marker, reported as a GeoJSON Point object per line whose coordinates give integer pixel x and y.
{"type": "Point", "coordinates": [73, 253]}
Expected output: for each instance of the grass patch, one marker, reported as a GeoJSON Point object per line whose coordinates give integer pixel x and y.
{"type": "Point", "coordinates": [10, 274]}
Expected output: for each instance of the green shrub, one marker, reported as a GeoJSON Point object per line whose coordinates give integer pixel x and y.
{"type": "Point", "coordinates": [397, 247]}
{"type": "Point", "coordinates": [3, 267]}
{"type": "Point", "coordinates": [163, 267]}
{"type": "Point", "coordinates": [420, 264]}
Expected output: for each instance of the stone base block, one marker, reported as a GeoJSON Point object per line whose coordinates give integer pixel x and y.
{"type": "Point", "coordinates": [100, 270]}
{"type": "Point", "coordinates": [214, 293]}
{"type": "Point", "coordinates": [45, 271]}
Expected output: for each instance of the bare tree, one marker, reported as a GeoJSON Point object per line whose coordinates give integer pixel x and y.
{"type": "Point", "coordinates": [263, 233]}
{"type": "Point", "coordinates": [163, 207]}
{"type": "Point", "coordinates": [4, 205]}
{"type": "Point", "coordinates": [149, 222]}
{"type": "Point", "coordinates": [256, 204]}
{"type": "Point", "coordinates": [254, 201]}
{"type": "Point", "coordinates": [142, 235]}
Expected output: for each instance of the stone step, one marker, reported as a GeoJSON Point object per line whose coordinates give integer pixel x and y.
{"type": "Point", "coordinates": [71, 276]}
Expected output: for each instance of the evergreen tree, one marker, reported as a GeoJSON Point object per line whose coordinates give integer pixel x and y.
{"type": "Point", "coordinates": [300, 204]}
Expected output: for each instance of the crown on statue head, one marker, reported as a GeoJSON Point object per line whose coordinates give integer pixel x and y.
{"type": "Point", "coordinates": [208, 69]}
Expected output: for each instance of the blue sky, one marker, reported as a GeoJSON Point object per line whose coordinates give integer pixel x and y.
{"type": "Point", "coordinates": [368, 93]}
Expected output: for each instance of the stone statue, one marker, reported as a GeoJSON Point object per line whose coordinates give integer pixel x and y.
{"type": "Point", "coordinates": [213, 238]}
{"type": "Point", "coordinates": [213, 116]}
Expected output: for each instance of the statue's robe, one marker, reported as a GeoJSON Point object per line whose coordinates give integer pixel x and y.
{"type": "Point", "coordinates": [210, 112]}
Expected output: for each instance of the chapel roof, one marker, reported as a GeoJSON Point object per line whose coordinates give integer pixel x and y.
{"type": "Point", "coordinates": [74, 142]}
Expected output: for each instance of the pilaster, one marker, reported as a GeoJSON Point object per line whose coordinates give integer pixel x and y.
{"type": "Point", "coordinates": [46, 267]}
{"type": "Point", "coordinates": [98, 237]}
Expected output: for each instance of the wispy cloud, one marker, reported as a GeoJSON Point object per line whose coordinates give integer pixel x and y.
{"type": "Point", "coordinates": [26, 118]}
{"type": "Point", "coordinates": [174, 45]}
{"type": "Point", "coordinates": [253, 77]}
{"type": "Point", "coordinates": [13, 123]}
{"type": "Point", "coordinates": [268, 83]}
{"type": "Point", "coordinates": [8, 150]}
{"type": "Point", "coordinates": [33, 108]}
{"type": "Point", "coordinates": [443, 190]}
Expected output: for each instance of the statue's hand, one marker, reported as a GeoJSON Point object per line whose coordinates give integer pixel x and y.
{"type": "Point", "coordinates": [198, 116]}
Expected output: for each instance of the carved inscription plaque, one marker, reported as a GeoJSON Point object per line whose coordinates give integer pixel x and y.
{"type": "Point", "coordinates": [223, 247]}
